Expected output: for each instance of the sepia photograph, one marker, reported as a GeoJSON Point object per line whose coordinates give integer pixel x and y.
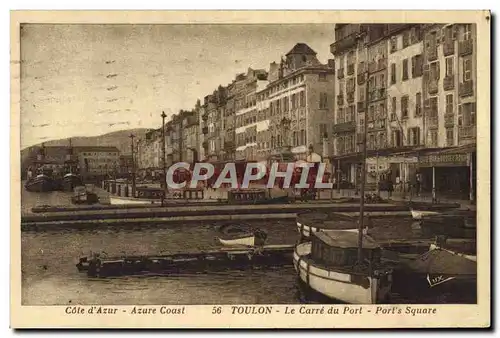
{"type": "Point", "coordinates": [309, 168]}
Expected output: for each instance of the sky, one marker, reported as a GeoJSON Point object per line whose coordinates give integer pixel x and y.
{"type": "Point", "coordinates": [87, 80]}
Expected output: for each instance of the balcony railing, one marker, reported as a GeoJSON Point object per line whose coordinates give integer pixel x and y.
{"type": "Point", "coordinates": [449, 120]}
{"type": "Point", "coordinates": [432, 121]}
{"type": "Point", "coordinates": [449, 82]}
{"type": "Point", "coordinates": [350, 69]}
{"type": "Point", "coordinates": [433, 86]}
{"type": "Point", "coordinates": [377, 94]}
{"type": "Point", "coordinates": [361, 78]}
{"type": "Point", "coordinates": [344, 127]}
{"type": "Point", "coordinates": [340, 73]}
{"type": "Point", "coordinates": [432, 53]}
{"type": "Point", "coordinates": [449, 48]}
{"type": "Point", "coordinates": [466, 88]}
{"type": "Point", "coordinates": [350, 97]}
{"type": "Point", "coordinates": [361, 106]}
{"type": "Point", "coordinates": [467, 132]}
{"type": "Point", "coordinates": [465, 47]}
{"type": "Point", "coordinates": [343, 44]}
{"type": "Point", "coordinates": [340, 99]}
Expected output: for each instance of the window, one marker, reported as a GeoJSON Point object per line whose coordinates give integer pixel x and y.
{"type": "Point", "coordinates": [467, 32]}
{"type": "Point", "coordinates": [405, 69]}
{"type": "Point", "coordinates": [302, 96]}
{"type": "Point", "coordinates": [350, 85]}
{"type": "Point", "coordinates": [449, 66]}
{"type": "Point", "coordinates": [417, 65]}
{"type": "Point", "coordinates": [393, 73]}
{"type": "Point", "coordinates": [323, 101]}
{"type": "Point", "coordinates": [350, 114]}
{"type": "Point", "coordinates": [467, 69]}
{"type": "Point", "coordinates": [340, 116]}
{"type": "Point", "coordinates": [404, 106]}
{"type": "Point", "coordinates": [433, 102]}
{"type": "Point", "coordinates": [371, 114]}
{"type": "Point", "coordinates": [449, 137]}
{"type": "Point", "coordinates": [394, 44]}
{"type": "Point", "coordinates": [294, 98]}
{"type": "Point", "coordinates": [322, 130]}
{"type": "Point", "coordinates": [302, 136]}
{"type": "Point", "coordinates": [434, 138]}
{"type": "Point", "coordinates": [449, 104]}
{"type": "Point", "coordinates": [434, 71]}
{"type": "Point", "coordinates": [418, 104]}
{"type": "Point", "coordinates": [322, 77]}
{"type": "Point", "coordinates": [406, 39]}
{"type": "Point", "coordinates": [394, 105]}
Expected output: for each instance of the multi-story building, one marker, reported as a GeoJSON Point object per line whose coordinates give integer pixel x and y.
{"type": "Point", "coordinates": [125, 164]}
{"type": "Point", "coordinates": [190, 125]}
{"type": "Point", "coordinates": [150, 152]}
{"type": "Point", "coordinates": [246, 124]}
{"type": "Point", "coordinates": [421, 94]}
{"type": "Point", "coordinates": [96, 161]}
{"type": "Point", "coordinates": [298, 102]}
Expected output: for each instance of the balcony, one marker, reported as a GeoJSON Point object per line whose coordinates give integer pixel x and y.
{"type": "Point", "coordinates": [340, 73]}
{"type": "Point", "coordinates": [433, 86]}
{"type": "Point", "coordinates": [361, 106]}
{"type": "Point", "coordinates": [340, 99]}
{"type": "Point", "coordinates": [467, 132]}
{"type": "Point", "coordinates": [350, 97]}
{"type": "Point", "coordinates": [432, 122]}
{"type": "Point", "coordinates": [432, 53]}
{"type": "Point", "coordinates": [342, 45]}
{"type": "Point", "coordinates": [449, 48]}
{"type": "Point", "coordinates": [449, 82]}
{"type": "Point", "coordinates": [449, 120]}
{"type": "Point", "coordinates": [361, 78]}
{"type": "Point", "coordinates": [344, 127]}
{"type": "Point", "coordinates": [377, 94]}
{"type": "Point", "coordinates": [466, 88]}
{"type": "Point", "coordinates": [350, 69]}
{"type": "Point", "coordinates": [465, 47]}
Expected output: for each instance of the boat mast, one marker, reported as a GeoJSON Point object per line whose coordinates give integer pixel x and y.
{"type": "Point", "coordinates": [363, 168]}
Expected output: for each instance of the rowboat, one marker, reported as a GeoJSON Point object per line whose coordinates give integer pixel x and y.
{"type": "Point", "coordinates": [114, 200]}
{"type": "Point", "coordinates": [327, 265]}
{"type": "Point", "coordinates": [419, 214]}
{"type": "Point", "coordinates": [257, 238]}
{"type": "Point", "coordinates": [311, 222]}
{"type": "Point", "coordinates": [456, 253]}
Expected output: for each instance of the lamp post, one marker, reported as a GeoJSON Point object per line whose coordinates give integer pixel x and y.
{"type": "Point", "coordinates": [164, 157]}
{"type": "Point", "coordinates": [132, 136]}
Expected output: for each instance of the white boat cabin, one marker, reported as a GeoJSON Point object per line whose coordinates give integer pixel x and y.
{"type": "Point", "coordinates": [340, 248]}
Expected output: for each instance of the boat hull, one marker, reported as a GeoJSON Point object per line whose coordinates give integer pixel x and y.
{"type": "Point", "coordinates": [243, 241]}
{"type": "Point", "coordinates": [40, 184]}
{"type": "Point", "coordinates": [69, 183]}
{"type": "Point", "coordinates": [345, 287]}
{"type": "Point", "coordinates": [306, 231]}
{"type": "Point", "coordinates": [419, 214]}
{"type": "Point", "coordinates": [132, 201]}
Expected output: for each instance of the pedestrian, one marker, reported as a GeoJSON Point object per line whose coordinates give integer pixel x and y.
{"type": "Point", "coordinates": [417, 183]}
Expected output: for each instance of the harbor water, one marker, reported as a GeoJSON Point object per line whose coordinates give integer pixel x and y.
{"type": "Point", "coordinates": [49, 275]}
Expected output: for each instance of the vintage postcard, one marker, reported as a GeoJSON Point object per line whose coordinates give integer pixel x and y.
{"type": "Point", "coordinates": [315, 169]}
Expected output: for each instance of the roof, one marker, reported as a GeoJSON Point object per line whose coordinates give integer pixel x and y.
{"type": "Point", "coordinates": [344, 239]}
{"type": "Point", "coordinates": [301, 48]}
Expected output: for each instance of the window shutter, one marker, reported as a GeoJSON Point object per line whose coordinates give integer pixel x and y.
{"type": "Point", "coordinates": [438, 70]}
{"type": "Point", "coordinates": [473, 107]}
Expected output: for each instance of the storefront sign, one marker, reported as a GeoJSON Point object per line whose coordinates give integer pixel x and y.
{"type": "Point", "coordinates": [444, 160]}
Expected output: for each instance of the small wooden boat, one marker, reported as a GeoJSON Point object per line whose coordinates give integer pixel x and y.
{"type": "Point", "coordinates": [257, 238]}
{"type": "Point", "coordinates": [436, 274]}
{"type": "Point", "coordinates": [70, 181]}
{"type": "Point", "coordinates": [40, 183]}
{"type": "Point", "coordinates": [311, 222]}
{"type": "Point", "coordinates": [419, 214]}
{"type": "Point", "coordinates": [328, 265]}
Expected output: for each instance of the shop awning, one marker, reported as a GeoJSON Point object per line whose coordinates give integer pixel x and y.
{"type": "Point", "coordinates": [448, 157]}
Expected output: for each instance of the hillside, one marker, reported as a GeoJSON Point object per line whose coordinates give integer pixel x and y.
{"type": "Point", "coordinates": [119, 139]}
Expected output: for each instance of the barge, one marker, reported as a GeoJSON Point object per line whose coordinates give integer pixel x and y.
{"type": "Point", "coordinates": [100, 266]}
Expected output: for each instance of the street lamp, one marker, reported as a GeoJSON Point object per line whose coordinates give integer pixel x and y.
{"type": "Point", "coordinates": [132, 136]}
{"type": "Point", "coordinates": [164, 157]}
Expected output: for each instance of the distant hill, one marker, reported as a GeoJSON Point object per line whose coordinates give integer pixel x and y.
{"type": "Point", "coordinates": [119, 139]}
